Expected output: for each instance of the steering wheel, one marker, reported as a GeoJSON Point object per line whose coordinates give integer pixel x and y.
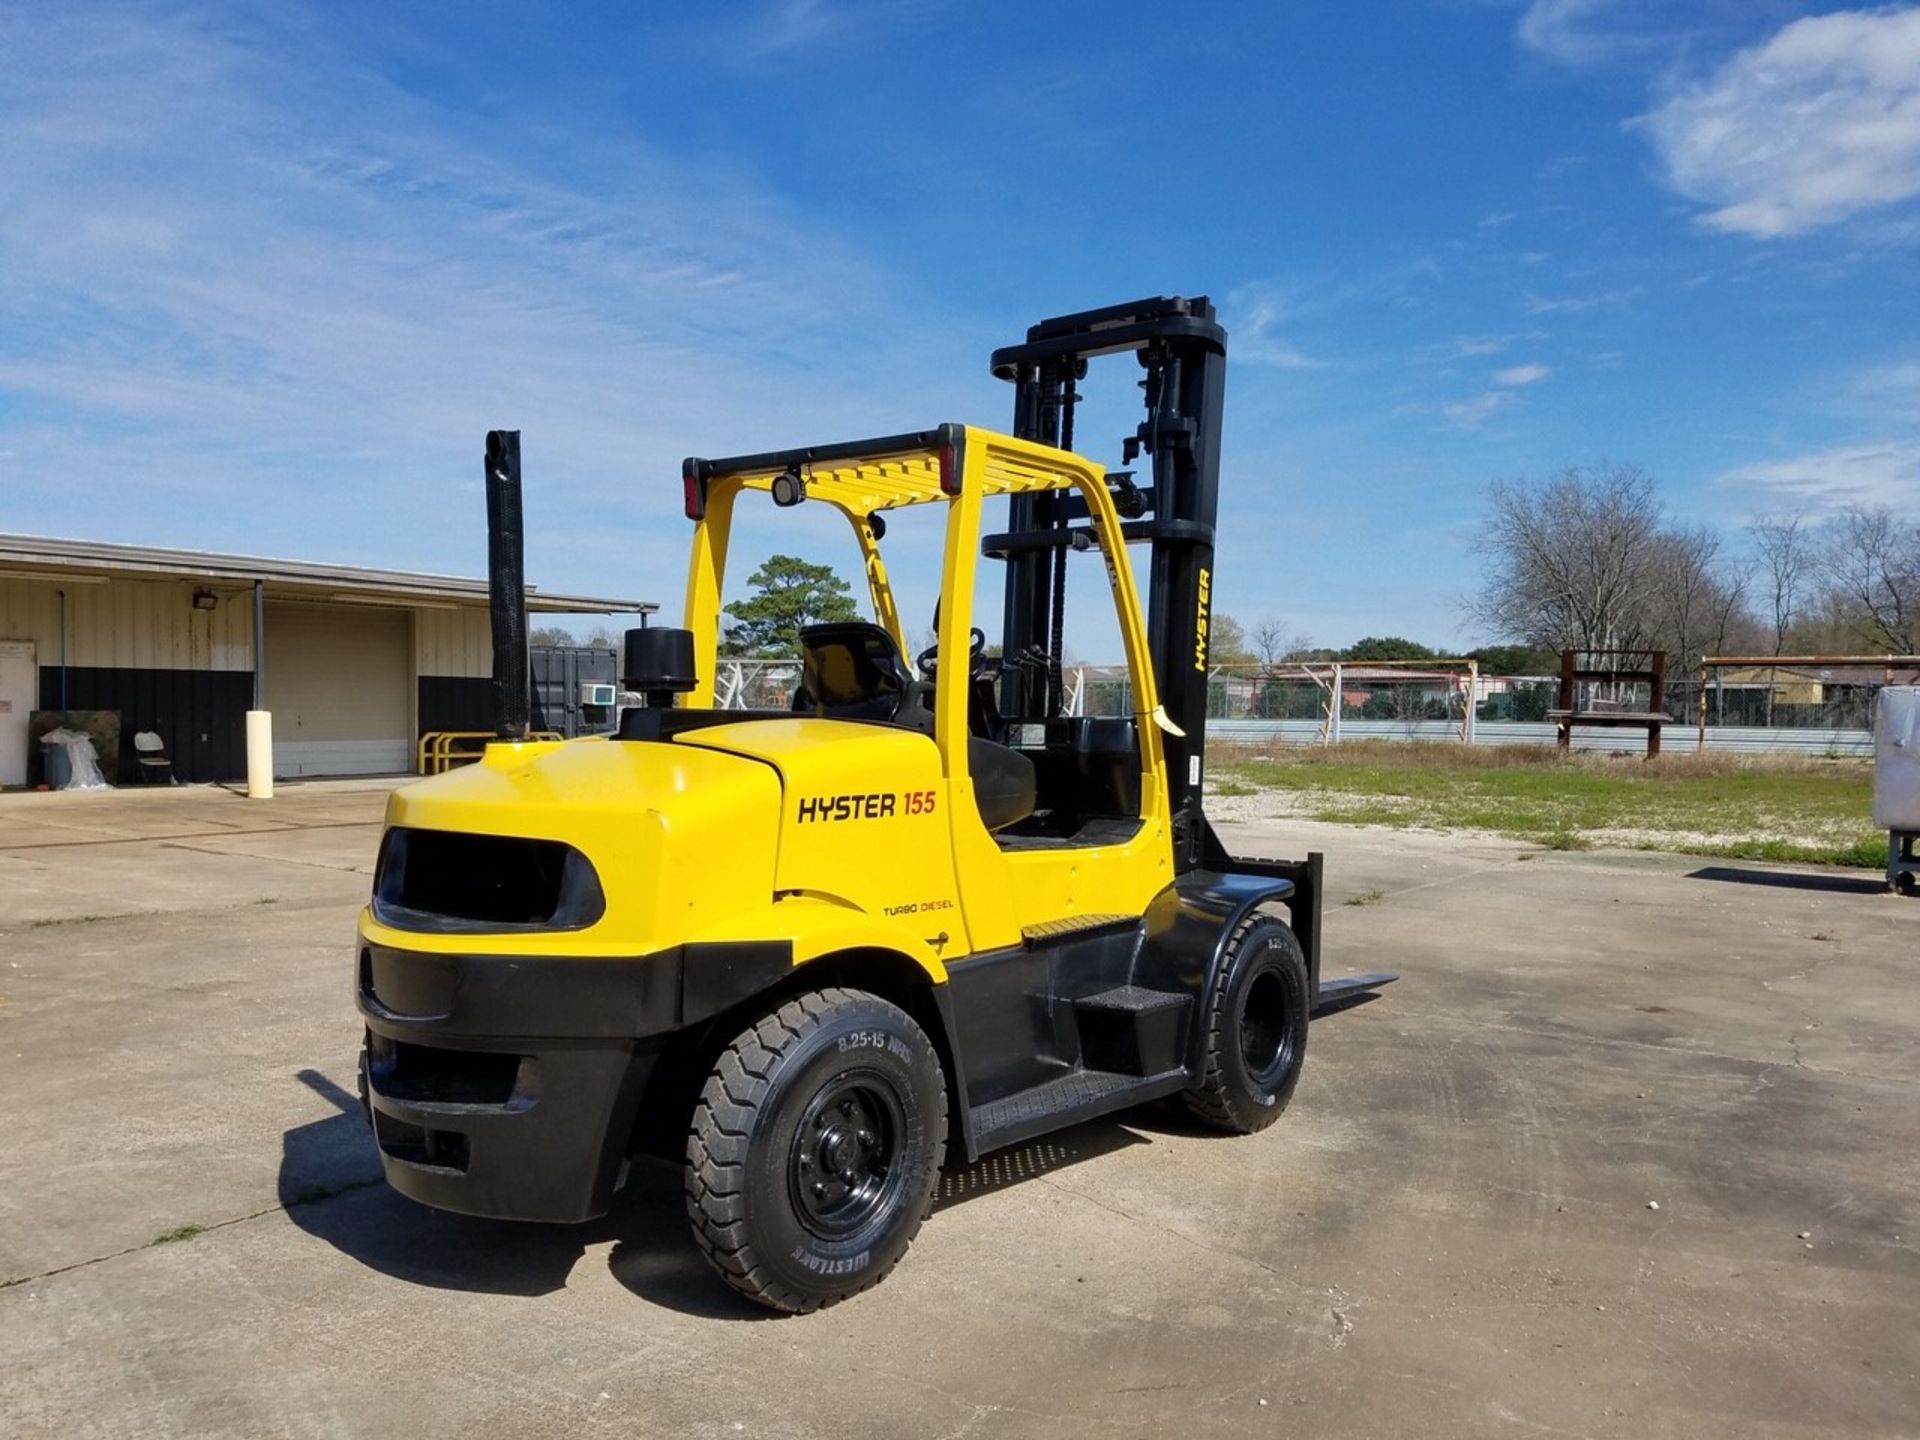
{"type": "Point", "coordinates": [928, 660]}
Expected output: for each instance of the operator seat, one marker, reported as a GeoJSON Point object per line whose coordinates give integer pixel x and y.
{"type": "Point", "coordinates": [853, 670]}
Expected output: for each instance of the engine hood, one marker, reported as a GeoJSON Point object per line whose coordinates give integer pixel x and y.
{"type": "Point", "coordinates": [679, 836]}
{"type": "Point", "coordinates": [864, 817]}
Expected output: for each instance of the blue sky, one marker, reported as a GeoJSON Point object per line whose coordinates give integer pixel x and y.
{"type": "Point", "coordinates": [267, 274]}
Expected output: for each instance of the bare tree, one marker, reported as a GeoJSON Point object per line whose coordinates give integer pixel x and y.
{"type": "Point", "coordinates": [1871, 564]}
{"type": "Point", "coordinates": [1786, 560]}
{"type": "Point", "coordinates": [1733, 623]}
{"type": "Point", "coordinates": [1694, 597]}
{"type": "Point", "coordinates": [1573, 560]}
{"type": "Point", "coordinates": [1273, 644]}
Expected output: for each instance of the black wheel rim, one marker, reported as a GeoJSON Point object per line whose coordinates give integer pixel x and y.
{"type": "Point", "coordinates": [1266, 1029]}
{"type": "Point", "coordinates": [845, 1167]}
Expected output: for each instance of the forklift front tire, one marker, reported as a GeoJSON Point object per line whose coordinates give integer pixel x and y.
{"type": "Point", "coordinates": [1256, 1029]}
{"type": "Point", "coordinates": [814, 1149]}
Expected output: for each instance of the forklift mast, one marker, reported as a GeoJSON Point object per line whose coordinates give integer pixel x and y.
{"type": "Point", "coordinates": [1183, 351]}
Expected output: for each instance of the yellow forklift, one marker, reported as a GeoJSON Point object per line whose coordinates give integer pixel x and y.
{"type": "Point", "coordinates": [802, 948]}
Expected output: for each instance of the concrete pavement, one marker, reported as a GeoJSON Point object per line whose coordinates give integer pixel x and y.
{"type": "Point", "coordinates": [1449, 1233]}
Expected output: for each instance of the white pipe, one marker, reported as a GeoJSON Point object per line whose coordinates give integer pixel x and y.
{"type": "Point", "coordinates": [259, 644]}
{"type": "Point", "coordinates": [259, 755]}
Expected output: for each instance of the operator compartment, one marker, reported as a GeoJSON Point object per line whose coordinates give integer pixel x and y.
{"type": "Point", "coordinates": [1091, 764]}
{"type": "Point", "coordinates": [854, 671]}
{"type": "Point", "coordinates": [1087, 781]}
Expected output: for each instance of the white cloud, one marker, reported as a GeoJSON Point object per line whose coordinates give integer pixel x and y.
{"type": "Point", "coordinates": [1469, 345]}
{"type": "Point", "coordinates": [290, 296]}
{"type": "Point", "coordinates": [1892, 390]}
{"type": "Point", "coordinates": [1475, 411]}
{"type": "Point", "coordinates": [790, 25]}
{"type": "Point", "coordinates": [1586, 33]}
{"type": "Point", "coordinates": [1819, 123]}
{"type": "Point", "coordinates": [1572, 304]}
{"type": "Point", "coordinates": [1563, 30]}
{"type": "Point", "coordinates": [1253, 314]}
{"type": "Point", "coordinates": [1472, 414]}
{"type": "Point", "coordinates": [1521, 375]}
{"type": "Point", "coordinates": [1884, 473]}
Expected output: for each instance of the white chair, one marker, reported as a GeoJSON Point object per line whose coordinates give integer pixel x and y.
{"type": "Point", "coordinates": [156, 766]}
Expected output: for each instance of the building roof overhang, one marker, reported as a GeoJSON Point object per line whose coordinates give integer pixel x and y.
{"type": "Point", "coordinates": [39, 557]}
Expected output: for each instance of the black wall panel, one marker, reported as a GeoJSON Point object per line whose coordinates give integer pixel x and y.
{"type": "Point", "coordinates": [456, 702]}
{"type": "Point", "coordinates": [200, 714]}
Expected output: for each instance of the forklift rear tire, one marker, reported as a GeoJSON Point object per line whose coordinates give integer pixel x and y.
{"type": "Point", "coordinates": [815, 1147]}
{"type": "Point", "coordinates": [1256, 1035]}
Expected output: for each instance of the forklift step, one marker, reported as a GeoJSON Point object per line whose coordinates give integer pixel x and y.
{"type": "Point", "coordinates": [1077, 1095]}
{"type": "Point", "coordinates": [1134, 1000]}
{"type": "Point", "coordinates": [1132, 1031]}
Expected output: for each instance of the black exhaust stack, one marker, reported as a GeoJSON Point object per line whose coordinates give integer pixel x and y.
{"type": "Point", "coordinates": [507, 587]}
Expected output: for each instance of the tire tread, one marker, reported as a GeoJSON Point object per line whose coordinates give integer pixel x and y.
{"type": "Point", "coordinates": [741, 1082]}
{"type": "Point", "coordinates": [1212, 1100]}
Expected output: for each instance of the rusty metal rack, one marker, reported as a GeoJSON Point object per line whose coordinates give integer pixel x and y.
{"type": "Point", "coordinates": [1653, 675]}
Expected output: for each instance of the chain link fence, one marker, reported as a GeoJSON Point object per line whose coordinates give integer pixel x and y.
{"type": "Point", "coordinates": [740, 684]}
{"type": "Point", "coordinates": [1760, 708]}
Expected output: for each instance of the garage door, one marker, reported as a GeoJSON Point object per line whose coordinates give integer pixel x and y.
{"type": "Point", "coordinates": [339, 683]}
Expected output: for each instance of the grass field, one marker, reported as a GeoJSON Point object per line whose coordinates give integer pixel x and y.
{"type": "Point", "coordinates": [1752, 808]}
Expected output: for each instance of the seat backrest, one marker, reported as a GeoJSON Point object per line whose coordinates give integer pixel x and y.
{"type": "Point", "coordinates": [148, 742]}
{"type": "Point", "coordinates": [851, 670]}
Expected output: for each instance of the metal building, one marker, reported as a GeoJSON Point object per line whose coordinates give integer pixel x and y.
{"type": "Point", "coordinates": [356, 663]}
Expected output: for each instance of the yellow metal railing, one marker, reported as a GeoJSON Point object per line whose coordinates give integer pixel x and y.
{"type": "Point", "coordinates": [441, 750]}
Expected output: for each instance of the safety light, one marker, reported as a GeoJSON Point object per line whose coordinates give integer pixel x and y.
{"type": "Point", "coordinates": [695, 488]}
{"type": "Point", "coordinates": [949, 471]}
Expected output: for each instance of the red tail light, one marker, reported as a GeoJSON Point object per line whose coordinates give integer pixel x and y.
{"type": "Point", "coordinates": [696, 491]}
{"type": "Point", "coordinates": [949, 471]}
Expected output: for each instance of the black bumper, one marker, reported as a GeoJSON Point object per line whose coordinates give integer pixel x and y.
{"type": "Point", "coordinates": [508, 1086]}
{"type": "Point", "coordinates": [529, 1132]}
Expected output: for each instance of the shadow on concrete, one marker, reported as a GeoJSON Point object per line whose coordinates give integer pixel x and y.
{"type": "Point", "coordinates": [655, 1256]}
{"type": "Point", "coordinates": [330, 1186]}
{"type": "Point", "coordinates": [962, 1181]}
{"type": "Point", "coordinates": [329, 1156]}
{"type": "Point", "coordinates": [666, 1269]}
{"type": "Point", "coordinates": [1791, 880]}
